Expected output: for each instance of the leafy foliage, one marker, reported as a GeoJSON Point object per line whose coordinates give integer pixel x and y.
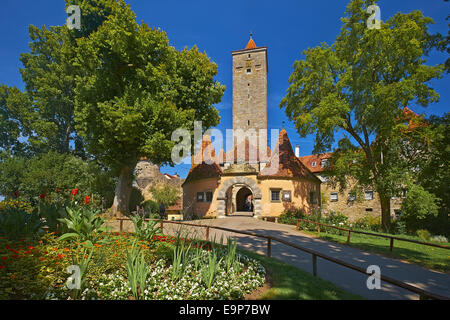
{"type": "Point", "coordinates": [16, 223]}
{"type": "Point", "coordinates": [359, 86]}
{"type": "Point", "coordinates": [418, 207]}
{"type": "Point", "coordinates": [83, 224]}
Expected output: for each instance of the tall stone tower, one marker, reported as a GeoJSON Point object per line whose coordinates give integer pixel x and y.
{"type": "Point", "coordinates": [250, 87]}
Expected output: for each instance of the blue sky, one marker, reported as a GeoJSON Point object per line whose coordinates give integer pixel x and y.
{"type": "Point", "coordinates": [219, 27]}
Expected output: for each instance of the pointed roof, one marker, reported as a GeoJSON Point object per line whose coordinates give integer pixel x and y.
{"type": "Point", "coordinates": [251, 44]}
{"type": "Point", "coordinates": [289, 166]}
{"type": "Point", "coordinates": [199, 168]}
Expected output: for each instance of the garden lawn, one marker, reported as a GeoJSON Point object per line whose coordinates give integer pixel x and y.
{"type": "Point", "coordinates": [291, 283]}
{"type": "Point", "coordinates": [427, 256]}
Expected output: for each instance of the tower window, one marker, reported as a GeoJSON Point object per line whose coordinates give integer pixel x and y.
{"type": "Point", "coordinates": [249, 55]}
{"type": "Point", "coordinates": [248, 122]}
{"type": "Point", "coordinates": [249, 84]}
{"type": "Point", "coordinates": [249, 70]}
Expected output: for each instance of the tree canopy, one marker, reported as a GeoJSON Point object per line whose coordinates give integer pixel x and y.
{"type": "Point", "coordinates": [356, 89]}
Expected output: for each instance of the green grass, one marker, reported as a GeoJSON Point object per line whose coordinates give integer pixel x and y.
{"type": "Point", "coordinates": [291, 283]}
{"type": "Point", "coordinates": [427, 256]}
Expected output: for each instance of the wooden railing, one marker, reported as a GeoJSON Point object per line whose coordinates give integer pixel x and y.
{"type": "Point", "coordinates": [423, 294]}
{"type": "Point", "coordinates": [349, 231]}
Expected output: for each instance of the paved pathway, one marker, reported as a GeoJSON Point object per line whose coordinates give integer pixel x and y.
{"type": "Point", "coordinates": [350, 280]}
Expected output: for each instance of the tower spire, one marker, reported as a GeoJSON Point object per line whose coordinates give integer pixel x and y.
{"type": "Point", "coordinates": [251, 44]}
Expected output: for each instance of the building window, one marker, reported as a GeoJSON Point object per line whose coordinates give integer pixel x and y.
{"type": "Point", "coordinates": [286, 196]}
{"type": "Point", "coordinates": [248, 122]}
{"type": "Point", "coordinates": [351, 196]}
{"type": "Point", "coordinates": [369, 209]}
{"type": "Point", "coordinates": [249, 70]}
{"type": "Point", "coordinates": [334, 197]}
{"type": "Point", "coordinates": [323, 163]}
{"type": "Point", "coordinates": [368, 195]}
{"type": "Point", "coordinates": [313, 164]}
{"type": "Point", "coordinates": [249, 56]}
{"type": "Point", "coordinates": [312, 197]}
{"type": "Point", "coordinates": [275, 195]}
{"type": "Point", "coordinates": [208, 196]}
{"type": "Point", "coordinates": [397, 213]}
{"type": "Point", "coordinates": [200, 197]}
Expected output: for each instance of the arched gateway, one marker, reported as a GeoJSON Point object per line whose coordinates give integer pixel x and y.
{"type": "Point", "coordinates": [238, 180]}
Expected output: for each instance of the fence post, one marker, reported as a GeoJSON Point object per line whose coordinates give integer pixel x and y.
{"type": "Point", "coordinates": [348, 236]}
{"type": "Point", "coordinates": [297, 224]}
{"type": "Point", "coordinates": [162, 226]}
{"type": "Point", "coordinates": [121, 225]}
{"type": "Point", "coordinates": [314, 261]}
{"type": "Point", "coordinates": [391, 245]}
{"type": "Point", "coordinates": [207, 233]}
{"type": "Point", "coordinates": [318, 229]}
{"type": "Point", "coordinates": [269, 247]}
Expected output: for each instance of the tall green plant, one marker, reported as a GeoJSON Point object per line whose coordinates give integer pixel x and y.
{"type": "Point", "coordinates": [145, 230]}
{"type": "Point", "coordinates": [209, 271]}
{"type": "Point", "coordinates": [82, 224]}
{"type": "Point", "coordinates": [83, 263]}
{"type": "Point", "coordinates": [138, 270]}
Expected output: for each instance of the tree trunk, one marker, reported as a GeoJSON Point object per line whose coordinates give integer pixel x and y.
{"type": "Point", "coordinates": [122, 193]}
{"type": "Point", "coordinates": [385, 202]}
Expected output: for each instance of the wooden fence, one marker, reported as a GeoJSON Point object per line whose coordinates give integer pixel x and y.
{"type": "Point", "coordinates": [391, 238]}
{"type": "Point", "coordinates": [423, 294]}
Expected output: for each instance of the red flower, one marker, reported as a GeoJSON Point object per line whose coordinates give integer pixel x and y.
{"type": "Point", "coordinates": [1, 267]}
{"type": "Point", "coordinates": [58, 190]}
{"type": "Point", "coordinates": [60, 256]}
{"type": "Point", "coordinates": [74, 191]}
{"type": "Point", "coordinates": [42, 196]}
{"type": "Point", "coordinates": [4, 258]}
{"type": "Point", "coordinates": [16, 194]}
{"type": "Point", "coordinates": [87, 199]}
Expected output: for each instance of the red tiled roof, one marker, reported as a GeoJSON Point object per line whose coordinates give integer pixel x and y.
{"type": "Point", "coordinates": [308, 161]}
{"type": "Point", "coordinates": [289, 165]}
{"type": "Point", "coordinates": [251, 44]}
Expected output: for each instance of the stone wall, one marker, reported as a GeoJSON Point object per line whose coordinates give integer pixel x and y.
{"type": "Point", "coordinates": [250, 89]}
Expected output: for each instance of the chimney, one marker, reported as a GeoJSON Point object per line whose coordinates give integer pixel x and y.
{"type": "Point", "coordinates": [297, 151]}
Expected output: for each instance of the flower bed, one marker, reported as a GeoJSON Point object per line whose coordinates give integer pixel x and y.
{"type": "Point", "coordinates": [36, 269]}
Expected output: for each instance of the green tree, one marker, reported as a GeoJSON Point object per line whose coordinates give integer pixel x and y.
{"type": "Point", "coordinates": [54, 175]}
{"type": "Point", "coordinates": [418, 208]}
{"type": "Point", "coordinates": [358, 87]}
{"type": "Point", "coordinates": [167, 195]}
{"type": "Point", "coordinates": [134, 90]}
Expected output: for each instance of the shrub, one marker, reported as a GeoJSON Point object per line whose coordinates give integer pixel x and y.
{"type": "Point", "coordinates": [291, 216]}
{"type": "Point", "coordinates": [16, 223]}
{"type": "Point", "coordinates": [439, 239]}
{"type": "Point", "coordinates": [398, 227]}
{"type": "Point", "coordinates": [423, 234]}
{"type": "Point", "coordinates": [418, 208]}
{"type": "Point", "coordinates": [371, 223]}
{"type": "Point", "coordinates": [151, 208]}
{"type": "Point", "coordinates": [145, 230]}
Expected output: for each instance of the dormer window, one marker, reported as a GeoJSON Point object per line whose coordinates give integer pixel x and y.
{"type": "Point", "coordinates": [323, 163]}
{"type": "Point", "coordinates": [313, 164]}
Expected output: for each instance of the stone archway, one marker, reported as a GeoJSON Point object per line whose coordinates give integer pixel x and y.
{"type": "Point", "coordinates": [249, 183]}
